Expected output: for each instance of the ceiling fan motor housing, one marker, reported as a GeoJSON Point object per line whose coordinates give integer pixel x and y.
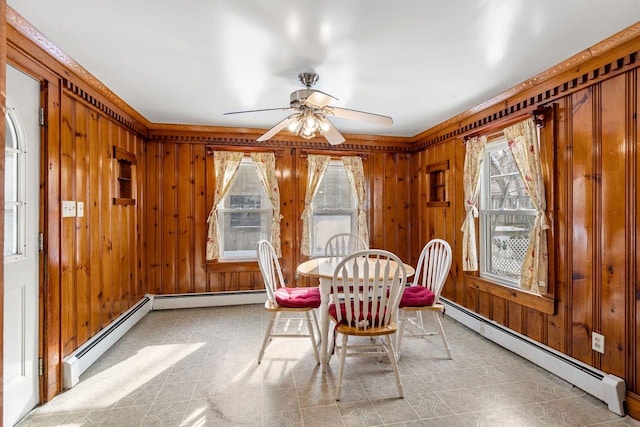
{"type": "Point", "coordinates": [308, 79]}
{"type": "Point", "coordinates": [299, 97]}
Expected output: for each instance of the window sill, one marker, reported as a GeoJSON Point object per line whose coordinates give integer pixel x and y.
{"type": "Point", "coordinates": [542, 303]}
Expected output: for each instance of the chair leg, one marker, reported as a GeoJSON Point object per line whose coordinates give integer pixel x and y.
{"type": "Point", "coordinates": [442, 335]}
{"type": "Point", "coordinates": [343, 358]}
{"type": "Point", "coordinates": [312, 335]}
{"type": "Point", "coordinates": [315, 321]}
{"type": "Point", "coordinates": [391, 353]}
{"type": "Point", "coordinates": [402, 319]}
{"type": "Point", "coordinates": [267, 334]}
{"type": "Point", "coordinates": [420, 321]}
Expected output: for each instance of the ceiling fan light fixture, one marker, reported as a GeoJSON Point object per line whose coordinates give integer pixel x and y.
{"type": "Point", "coordinates": [295, 125]}
{"type": "Point", "coordinates": [323, 123]}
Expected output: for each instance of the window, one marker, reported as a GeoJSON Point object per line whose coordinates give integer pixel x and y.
{"type": "Point", "coordinates": [245, 214]}
{"type": "Point", "coordinates": [334, 207]}
{"type": "Point", "coordinates": [14, 208]}
{"type": "Point", "coordinates": [506, 216]}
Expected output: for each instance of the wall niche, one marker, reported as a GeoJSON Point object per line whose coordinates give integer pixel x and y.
{"type": "Point", "coordinates": [124, 171]}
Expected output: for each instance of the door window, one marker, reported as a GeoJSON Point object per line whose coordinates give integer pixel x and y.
{"type": "Point", "coordinates": [14, 207]}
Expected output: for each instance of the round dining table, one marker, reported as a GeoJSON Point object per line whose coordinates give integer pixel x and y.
{"type": "Point", "coordinates": [323, 268]}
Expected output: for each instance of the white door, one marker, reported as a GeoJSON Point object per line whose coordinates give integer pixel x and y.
{"type": "Point", "coordinates": [22, 181]}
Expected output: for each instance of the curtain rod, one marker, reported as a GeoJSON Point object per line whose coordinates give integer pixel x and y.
{"type": "Point", "coordinates": [496, 128]}
{"type": "Point", "coordinates": [248, 150]}
{"type": "Point", "coordinates": [334, 154]}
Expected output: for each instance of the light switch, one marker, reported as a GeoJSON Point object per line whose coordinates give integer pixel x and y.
{"type": "Point", "coordinates": [68, 208]}
{"type": "Point", "coordinates": [80, 209]}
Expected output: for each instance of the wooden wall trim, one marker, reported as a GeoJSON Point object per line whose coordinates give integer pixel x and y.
{"type": "Point", "coordinates": [231, 137]}
{"type": "Point", "coordinates": [93, 101]}
{"type": "Point", "coordinates": [431, 136]}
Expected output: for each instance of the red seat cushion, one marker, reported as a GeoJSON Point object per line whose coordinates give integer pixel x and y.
{"type": "Point", "coordinates": [298, 297]}
{"type": "Point", "coordinates": [417, 296]}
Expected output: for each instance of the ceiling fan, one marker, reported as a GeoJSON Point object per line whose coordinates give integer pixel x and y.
{"type": "Point", "coordinates": [311, 108]}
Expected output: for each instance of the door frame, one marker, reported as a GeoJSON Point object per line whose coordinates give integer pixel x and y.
{"type": "Point", "coordinates": [43, 329]}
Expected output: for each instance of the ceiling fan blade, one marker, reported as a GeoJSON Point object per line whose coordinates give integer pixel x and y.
{"type": "Point", "coordinates": [346, 113]}
{"type": "Point", "coordinates": [278, 127]}
{"type": "Point", "coordinates": [257, 111]}
{"type": "Point", "coordinates": [319, 99]}
{"type": "Point", "coordinates": [331, 134]}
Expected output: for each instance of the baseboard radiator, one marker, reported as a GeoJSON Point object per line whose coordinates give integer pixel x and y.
{"type": "Point", "coordinates": [85, 355]}
{"type": "Point", "coordinates": [608, 388]}
{"type": "Point", "coordinates": [212, 299]}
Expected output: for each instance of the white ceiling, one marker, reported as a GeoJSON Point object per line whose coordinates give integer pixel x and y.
{"type": "Point", "coordinates": [421, 62]}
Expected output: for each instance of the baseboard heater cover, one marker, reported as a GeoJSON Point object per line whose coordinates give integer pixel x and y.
{"type": "Point", "coordinates": [85, 355]}
{"type": "Point", "coordinates": [210, 299]}
{"type": "Point", "coordinates": [606, 387]}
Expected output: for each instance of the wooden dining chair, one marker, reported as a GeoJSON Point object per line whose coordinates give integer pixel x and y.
{"type": "Point", "coordinates": [424, 293]}
{"type": "Point", "coordinates": [288, 301]}
{"type": "Point", "coordinates": [343, 244]}
{"type": "Point", "coordinates": [368, 309]}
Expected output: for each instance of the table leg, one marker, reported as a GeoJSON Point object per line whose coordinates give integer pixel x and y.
{"type": "Point", "coordinates": [325, 286]}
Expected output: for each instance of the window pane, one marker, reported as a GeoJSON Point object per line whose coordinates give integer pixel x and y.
{"type": "Point", "coordinates": [507, 245]}
{"type": "Point", "coordinates": [335, 189]}
{"type": "Point", "coordinates": [11, 176]}
{"type": "Point", "coordinates": [507, 187]}
{"type": "Point", "coordinates": [10, 230]}
{"type": "Point", "coordinates": [244, 230]}
{"type": "Point", "coordinates": [10, 136]}
{"type": "Point", "coordinates": [246, 190]}
{"type": "Point", "coordinates": [325, 226]}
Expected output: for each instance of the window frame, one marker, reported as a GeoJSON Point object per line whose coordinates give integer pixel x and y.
{"type": "Point", "coordinates": [485, 214]}
{"type": "Point", "coordinates": [250, 254]}
{"type": "Point", "coordinates": [352, 212]}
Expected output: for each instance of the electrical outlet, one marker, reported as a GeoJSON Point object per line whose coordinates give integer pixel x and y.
{"type": "Point", "coordinates": [68, 208]}
{"type": "Point", "coordinates": [597, 342]}
{"type": "Point", "coordinates": [80, 210]}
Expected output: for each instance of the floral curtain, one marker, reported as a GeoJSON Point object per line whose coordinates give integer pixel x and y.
{"type": "Point", "coordinates": [355, 173]}
{"type": "Point", "coordinates": [471, 185]}
{"type": "Point", "coordinates": [225, 166]}
{"type": "Point", "coordinates": [266, 168]}
{"type": "Point", "coordinates": [522, 139]}
{"type": "Point", "coordinates": [317, 167]}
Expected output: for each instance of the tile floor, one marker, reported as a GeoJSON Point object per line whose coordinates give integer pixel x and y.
{"type": "Point", "coordinates": [198, 367]}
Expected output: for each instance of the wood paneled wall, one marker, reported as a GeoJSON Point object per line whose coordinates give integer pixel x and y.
{"type": "Point", "coordinates": [590, 142]}
{"type": "Point", "coordinates": [100, 253]}
{"type": "Point", "coordinates": [179, 190]}
{"type": "Point", "coordinates": [94, 262]}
